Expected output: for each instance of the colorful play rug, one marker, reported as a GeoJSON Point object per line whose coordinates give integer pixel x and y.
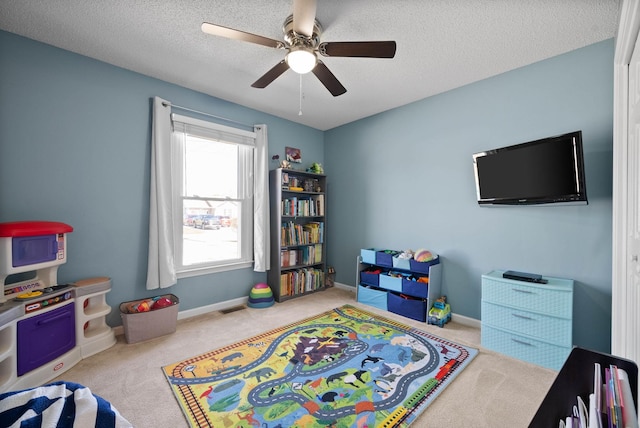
{"type": "Point", "coordinates": [342, 368]}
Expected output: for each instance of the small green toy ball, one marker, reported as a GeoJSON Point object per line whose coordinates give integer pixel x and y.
{"type": "Point", "coordinates": [260, 296]}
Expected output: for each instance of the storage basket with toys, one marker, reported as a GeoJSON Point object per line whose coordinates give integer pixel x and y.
{"type": "Point", "coordinates": [146, 319]}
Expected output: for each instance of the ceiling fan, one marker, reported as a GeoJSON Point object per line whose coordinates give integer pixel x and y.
{"type": "Point", "coordinates": [302, 33]}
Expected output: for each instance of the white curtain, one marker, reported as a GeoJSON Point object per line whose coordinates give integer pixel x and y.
{"type": "Point", "coordinates": [161, 272]}
{"type": "Point", "coordinates": [261, 239]}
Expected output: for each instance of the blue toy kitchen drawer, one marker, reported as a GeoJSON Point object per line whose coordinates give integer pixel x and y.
{"type": "Point", "coordinates": [370, 277]}
{"type": "Point", "coordinates": [407, 306]}
{"type": "Point", "coordinates": [372, 297]}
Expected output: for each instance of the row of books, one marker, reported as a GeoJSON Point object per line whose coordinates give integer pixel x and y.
{"type": "Point", "coordinates": [302, 256]}
{"type": "Point", "coordinates": [298, 207]}
{"type": "Point", "coordinates": [301, 234]}
{"type": "Point", "coordinates": [610, 405]}
{"type": "Point", "coordinates": [301, 281]}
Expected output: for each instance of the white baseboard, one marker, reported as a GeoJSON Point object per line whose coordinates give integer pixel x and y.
{"type": "Point", "coordinates": [189, 313]}
{"type": "Point", "coordinates": [469, 322]}
{"type": "Point", "coordinates": [344, 287]}
{"type": "Point", "coordinates": [460, 319]}
{"type": "Point", "coordinates": [119, 330]}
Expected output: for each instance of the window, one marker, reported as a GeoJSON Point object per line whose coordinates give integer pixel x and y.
{"type": "Point", "coordinates": [213, 196]}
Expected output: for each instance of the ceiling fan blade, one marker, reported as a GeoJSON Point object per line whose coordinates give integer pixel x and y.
{"type": "Point", "coordinates": [271, 75]}
{"type": "Point", "coordinates": [328, 79]}
{"type": "Point", "coordinates": [230, 33]}
{"type": "Point", "coordinates": [358, 49]}
{"type": "Point", "coordinates": [304, 16]}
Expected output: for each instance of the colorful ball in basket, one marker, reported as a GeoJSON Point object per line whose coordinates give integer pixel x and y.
{"type": "Point", "coordinates": [423, 255]}
{"type": "Point", "coordinates": [162, 302]}
{"type": "Point", "coordinates": [260, 296]}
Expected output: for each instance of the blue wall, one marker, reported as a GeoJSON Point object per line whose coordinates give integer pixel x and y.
{"type": "Point", "coordinates": [75, 147]}
{"type": "Point", "coordinates": [404, 179]}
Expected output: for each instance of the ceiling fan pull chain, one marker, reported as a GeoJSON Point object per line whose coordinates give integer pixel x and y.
{"type": "Point", "coordinates": [300, 108]}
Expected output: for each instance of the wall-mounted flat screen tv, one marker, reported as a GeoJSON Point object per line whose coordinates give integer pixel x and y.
{"type": "Point", "coordinates": [546, 171]}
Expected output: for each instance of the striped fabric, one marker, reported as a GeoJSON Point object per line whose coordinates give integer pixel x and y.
{"type": "Point", "coordinates": [58, 405]}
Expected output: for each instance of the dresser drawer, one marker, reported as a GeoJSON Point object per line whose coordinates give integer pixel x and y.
{"type": "Point", "coordinates": [525, 348]}
{"type": "Point", "coordinates": [544, 327]}
{"type": "Point", "coordinates": [544, 299]}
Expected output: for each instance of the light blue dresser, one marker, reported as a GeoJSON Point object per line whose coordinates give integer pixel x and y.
{"type": "Point", "coordinates": [528, 321]}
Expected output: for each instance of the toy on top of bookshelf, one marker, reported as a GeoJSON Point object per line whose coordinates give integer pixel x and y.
{"type": "Point", "coordinates": [316, 168]}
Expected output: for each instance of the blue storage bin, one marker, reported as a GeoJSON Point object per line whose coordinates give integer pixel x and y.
{"type": "Point", "coordinates": [385, 257]}
{"type": "Point", "coordinates": [372, 297]}
{"type": "Point", "coordinates": [391, 282]}
{"type": "Point", "coordinates": [370, 278]}
{"type": "Point", "coordinates": [399, 263]}
{"type": "Point", "coordinates": [368, 255]}
{"type": "Point", "coordinates": [407, 306]}
{"type": "Point", "coordinates": [423, 267]}
{"type": "Point", "coordinates": [415, 288]}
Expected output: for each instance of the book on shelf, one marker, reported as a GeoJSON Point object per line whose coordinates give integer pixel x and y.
{"type": "Point", "coordinates": [308, 255]}
{"type": "Point", "coordinates": [292, 233]}
{"type": "Point", "coordinates": [301, 281]}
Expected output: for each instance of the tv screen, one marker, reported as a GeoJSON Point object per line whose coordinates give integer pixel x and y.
{"type": "Point", "coordinates": [550, 170]}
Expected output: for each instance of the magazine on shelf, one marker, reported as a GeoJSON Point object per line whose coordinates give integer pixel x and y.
{"type": "Point", "coordinates": [610, 404]}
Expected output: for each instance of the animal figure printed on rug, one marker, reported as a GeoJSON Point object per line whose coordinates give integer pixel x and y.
{"type": "Point", "coordinates": [263, 372]}
{"type": "Point", "coordinates": [336, 376]}
{"type": "Point", "coordinates": [231, 357]}
{"type": "Point", "coordinates": [207, 392]}
{"type": "Point", "coordinates": [249, 418]}
{"type": "Point", "coordinates": [443, 349]}
{"type": "Point", "coordinates": [378, 347]}
{"type": "Point", "coordinates": [350, 379]}
{"type": "Point", "coordinates": [370, 359]}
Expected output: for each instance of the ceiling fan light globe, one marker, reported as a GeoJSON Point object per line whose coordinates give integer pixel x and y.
{"type": "Point", "coordinates": [301, 61]}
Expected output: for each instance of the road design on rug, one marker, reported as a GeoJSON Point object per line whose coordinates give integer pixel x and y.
{"type": "Point", "coordinates": [346, 366]}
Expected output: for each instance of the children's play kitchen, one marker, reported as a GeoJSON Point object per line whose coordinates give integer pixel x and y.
{"type": "Point", "coordinates": [45, 327]}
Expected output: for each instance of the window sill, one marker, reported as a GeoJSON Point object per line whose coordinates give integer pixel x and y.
{"type": "Point", "coordinates": [190, 272]}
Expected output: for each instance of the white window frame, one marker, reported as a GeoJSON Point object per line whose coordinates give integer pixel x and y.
{"type": "Point", "coordinates": [183, 125]}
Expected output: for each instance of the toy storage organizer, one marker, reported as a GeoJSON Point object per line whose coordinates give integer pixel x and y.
{"type": "Point", "coordinates": [148, 325]}
{"type": "Point", "coordinates": [45, 328]}
{"type": "Point", "coordinates": [529, 321]}
{"type": "Point", "coordinates": [404, 287]}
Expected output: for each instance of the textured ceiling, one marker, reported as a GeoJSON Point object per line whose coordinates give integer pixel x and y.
{"type": "Point", "coordinates": [441, 45]}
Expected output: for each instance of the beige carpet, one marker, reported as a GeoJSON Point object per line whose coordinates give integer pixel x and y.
{"type": "Point", "coordinates": [492, 391]}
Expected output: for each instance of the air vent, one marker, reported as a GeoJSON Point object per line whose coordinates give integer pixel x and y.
{"type": "Point", "coordinates": [232, 309]}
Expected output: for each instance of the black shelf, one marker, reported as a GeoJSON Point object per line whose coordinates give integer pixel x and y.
{"type": "Point", "coordinates": [576, 378]}
{"type": "Point", "coordinates": [282, 208]}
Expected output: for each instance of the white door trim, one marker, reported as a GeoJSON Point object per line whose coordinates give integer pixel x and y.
{"type": "Point", "coordinates": [622, 309]}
